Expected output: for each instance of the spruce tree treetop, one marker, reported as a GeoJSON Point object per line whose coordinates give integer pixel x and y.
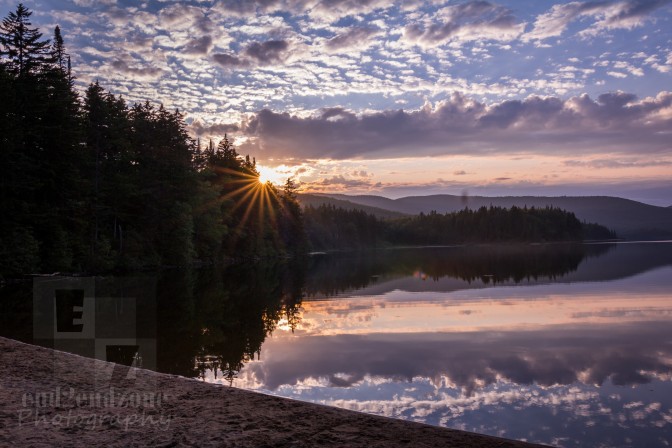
{"type": "Point", "coordinates": [226, 150]}
{"type": "Point", "coordinates": [21, 44]}
{"type": "Point", "coordinates": [290, 189]}
{"type": "Point", "coordinates": [58, 50]}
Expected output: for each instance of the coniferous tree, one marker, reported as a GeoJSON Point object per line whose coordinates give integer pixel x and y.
{"type": "Point", "coordinates": [291, 226]}
{"type": "Point", "coordinates": [60, 169]}
{"type": "Point", "coordinates": [19, 248]}
{"type": "Point", "coordinates": [22, 45]}
{"type": "Point", "coordinates": [112, 172]}
{"type": "Point", "coordinates": [61, 58]}
{"type": "Point", "coordinates": [25, 64]}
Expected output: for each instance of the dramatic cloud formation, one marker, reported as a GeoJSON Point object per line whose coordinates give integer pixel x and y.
{"type": "Point", "coordinates": [463, 126]}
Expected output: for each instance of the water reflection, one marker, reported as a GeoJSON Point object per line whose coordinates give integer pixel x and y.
{"type": "Point", "coordinates": [563, 344]}
{"type": "Point", "coordinates": [335, 274]}
{"type": "Point", "coordinates": [577, 352]}
{"type": "Point", "coordinates": [216, 321]}
{"type": "Point", "coordinates": [633, 353]}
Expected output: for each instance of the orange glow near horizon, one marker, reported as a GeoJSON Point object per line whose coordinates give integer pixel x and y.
{"type": "Point", "coordinates": [476, 310]}
{"type": "Point", "coordinates": [536, 174]}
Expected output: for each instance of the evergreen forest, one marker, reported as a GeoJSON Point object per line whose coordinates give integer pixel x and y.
{"type": "Point", "coordinates": [89, 182]}
{"type": "Point", "coordinates": [329, 227]}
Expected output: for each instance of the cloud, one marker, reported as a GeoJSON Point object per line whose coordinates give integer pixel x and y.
{"type": "Point", "coordinates": [325, 10]}
{"type": "Point", "coordinates": [608, 14]}
{"type": "Point", "coordinates": [636, 71]}
{"type": "Point", "coordinates": [146, 73]}
{"type": "Point", "coordinates": [88, 3]}
{"type": "Point", "coordinates": [336, 114]}
{"type": "Point", "coordinates": [183, 17]}
{"type": "Point", "coordinates": [629, 13]}
{"type": "Point", "coordinates": [230, 61]}
{"type": "Point", "coordinates": [475, 20]}
{"type": "Point", "coordinates": [199, 46]}
{"type": "Point", "coordinates": [331, 10]}
{"type": "Point", "coordinates": [242, 8]}
{"type": "Point", "coordinates": [614, 74]}
{"type": "Point", "coordinates": [616, 163]}
{"type": "Point", "coordinates": [661, 64]}
{"type": "Point", "coordinates": [199, 129]}
{"type": "Point", "coordinates": [267, 52]}
{"type": "Point", "coordinates": [338, 181]}
{"type": "Point", "coordinates": [172, 52]}
{"type": "Point", "coordinates": [462, 126]}
{"type": "Point", "coordinates": [255, 54]}
{"type": "Point", "coordinates": [353, 37]}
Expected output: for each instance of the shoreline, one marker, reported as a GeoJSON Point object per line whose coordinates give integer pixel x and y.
{"type": "Point", "coordinates": [227, 262]}
{"type": "Point", "coordinates": [55, 398]}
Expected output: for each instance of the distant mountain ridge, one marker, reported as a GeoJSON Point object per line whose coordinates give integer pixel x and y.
{"type": "Point", "coordinates": [630, 219]}
{"type": "Point", "coordinates": [315, 200]}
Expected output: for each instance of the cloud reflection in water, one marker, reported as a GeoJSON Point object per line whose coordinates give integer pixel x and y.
{"type": "Point", "coordinates": [549, 363]}
{"type": "Point", "coordinates": [584, 359]}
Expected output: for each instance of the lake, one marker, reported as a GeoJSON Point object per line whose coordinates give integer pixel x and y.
{"type": "Point", "coordinates": [564, 344]}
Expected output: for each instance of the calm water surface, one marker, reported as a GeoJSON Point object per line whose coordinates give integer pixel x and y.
{"type": "Point", "coordinates": [569, 345]}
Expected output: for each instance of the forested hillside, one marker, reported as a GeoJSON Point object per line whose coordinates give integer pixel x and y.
{"type": "Point", "coordinates": [329, 227]}
{"type": "Point", "coordinates": [316, 200]}
{"type": "Point", "coordinates": [630, 219]}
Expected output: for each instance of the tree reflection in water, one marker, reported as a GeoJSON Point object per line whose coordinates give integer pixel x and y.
{"type": "Point", "coordinates": [216, 320]}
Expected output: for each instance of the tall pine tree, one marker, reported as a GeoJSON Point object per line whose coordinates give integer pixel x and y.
{"type": "Point", "coordinates": [22, 45]}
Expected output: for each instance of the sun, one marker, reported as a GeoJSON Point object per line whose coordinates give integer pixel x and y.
{"type": "Point", "coordinates": [263, 178]}
{"type": "Point", "coordinates": [267, 174]}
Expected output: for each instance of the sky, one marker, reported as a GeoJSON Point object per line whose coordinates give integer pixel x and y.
{"type": "Point", "coordinates": [405, 97]}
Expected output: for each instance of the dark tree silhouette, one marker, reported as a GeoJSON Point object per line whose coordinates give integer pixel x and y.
{"type": "Point", "coordinates": [25, 51]}
{"type": "Point", "coordinates": [94, 184]}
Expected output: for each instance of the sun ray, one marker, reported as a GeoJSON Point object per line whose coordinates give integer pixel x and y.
{"type": "Point", "coordinates": [239, 191]}
{"type": "Point", "coordinates": [267, 201]}
{"type": "Point", "coordinates": [248, 181]}
{"type": "Point", "coordinates": [244, 198]}
{"type": "Point", "coordinates": [255, 197]}
{"type": "Point", "coordinates": [246, 215]}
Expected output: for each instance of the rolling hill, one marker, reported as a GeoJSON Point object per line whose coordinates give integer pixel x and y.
{"type": "Point", "coordinates": [630, 219]}
{"type": "Point", "coordinates": [317, 200]}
